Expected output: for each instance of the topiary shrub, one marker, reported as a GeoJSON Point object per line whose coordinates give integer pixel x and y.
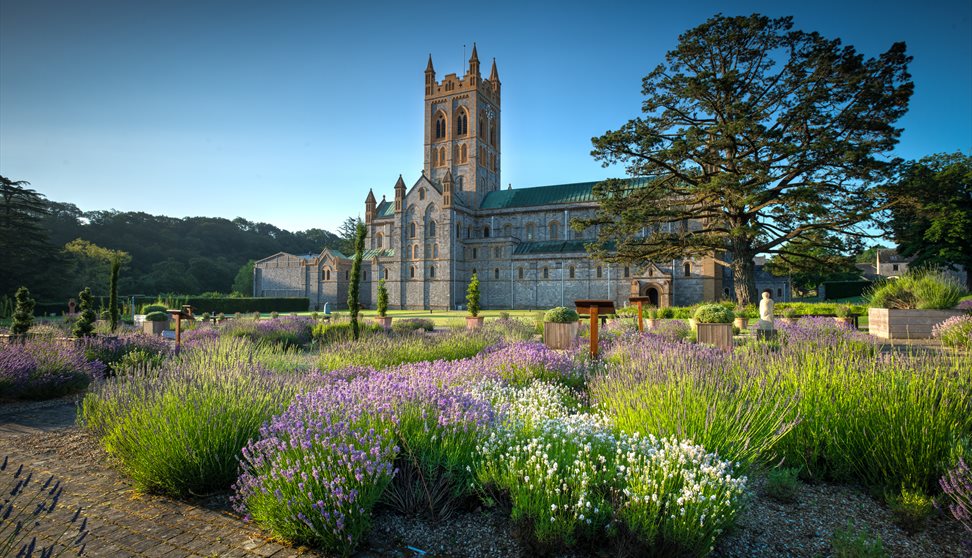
{"type": "Point", "coordinates": [561, 315]}
{"type": "Point", "coordinates": [85, 324]}
{"type": "Point", "coordinates": [157, 306]}
{"type": "Point", "coordinates": [23, 316]}
{"type": "Point", "coordinates": [157, 316]}
{"type": "Point", "coordinates": [714, 314]}
{"type": "Point", "coordinates": [472, 296]}
{"type": "Point", "coordinates": [382, 298]}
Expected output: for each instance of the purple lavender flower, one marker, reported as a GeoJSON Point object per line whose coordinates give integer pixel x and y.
{"type": "Point", "coordinates": [45, 368]}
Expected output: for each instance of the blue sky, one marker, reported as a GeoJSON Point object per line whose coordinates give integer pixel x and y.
{"type": "Point", "coordinates": [288, 112]}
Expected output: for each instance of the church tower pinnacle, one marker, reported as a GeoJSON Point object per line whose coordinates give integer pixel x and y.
{"type": "Point", "coordinates": [462, 132]}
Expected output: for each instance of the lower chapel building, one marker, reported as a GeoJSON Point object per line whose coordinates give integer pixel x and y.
{"type": "Point", "coordinates": [455, 220]}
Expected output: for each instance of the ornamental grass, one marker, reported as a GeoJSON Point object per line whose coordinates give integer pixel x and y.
{"type": "Point", "coordinates": [822, 399]}
{"type": "Point", "coordinates": [384, 351]}
{"type": "Point", "coordinates": [179, 430]}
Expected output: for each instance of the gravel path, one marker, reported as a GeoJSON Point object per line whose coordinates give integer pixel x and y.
{"type": "Point", "coordinates": [122, 522]}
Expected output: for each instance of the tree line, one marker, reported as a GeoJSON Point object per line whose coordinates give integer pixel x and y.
{"type": "Point", "coordinates": [56, 250]}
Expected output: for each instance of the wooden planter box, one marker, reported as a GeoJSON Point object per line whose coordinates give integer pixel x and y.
{"type": "Point", "coordinates": [560, 336]}
{"type": "Point", "coordinates": [890, 323]}
{"type": "Point", "coordinates": [385, 322]}
{"type": "Point", "coordinates": [741, 323]}
{"type": "Point", "coordinates": [154, 328]}
{"type": "Point", "coordinates": [650, 323]}
{"type": "Point", "coordinates": [849, 320]}
{"type": "Point", "coordinates": [719, 335]}
{"type": "Point", "coordinates": [474, 323]}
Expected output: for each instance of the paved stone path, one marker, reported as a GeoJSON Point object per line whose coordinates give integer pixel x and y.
{"type": "Point", "coordinates": [121, 522]}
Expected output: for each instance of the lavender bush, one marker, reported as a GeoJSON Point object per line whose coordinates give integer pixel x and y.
{"type": "Point", "coordinates": [180, 430]}
{"type": "Point", "coordinates": [127, 350]}
{"type": "Point", "coordinates": [38, 368]}
{"type": "Point", "coordinates": [522, 363]}
{"type": "Point", "coordinates": [957, 486]}
{"type": "Point", "coordinates": [955, 331]}
{"type": "Point", "coordinates": [385, 351]}
{"type": "Point", "coordinates": [289, 331]}
{"type": "Point", "coordinates": [319, 468]}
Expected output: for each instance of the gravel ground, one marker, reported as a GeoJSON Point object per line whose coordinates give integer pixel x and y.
{"type": "Point", "coordinates": [45, 431]}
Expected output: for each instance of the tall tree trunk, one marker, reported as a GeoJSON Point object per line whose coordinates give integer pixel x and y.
{"type": "Point", "coordinates": [744, 276]}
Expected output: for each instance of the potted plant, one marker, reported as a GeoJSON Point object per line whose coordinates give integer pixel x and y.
{"type": "Point", "coordinates": [156, 322]}
{"type": "Point", "coordinates": [473, 320]}
{"type": "Point", "coordinates": [843, 315]}
{"type": "Point", "coordinates": [742, 317]}
{"type": "Point", "coordinates": [910, 306]}
{"type": "Point", "coordinates": [714, 325]}
{"type": "Point", "coordinates": [560, 327]}
{"type": "Point", "coordinates": [383, 319]}
{"type": "Point", "coordinates": [654, 315]}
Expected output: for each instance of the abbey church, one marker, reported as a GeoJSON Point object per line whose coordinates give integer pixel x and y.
{"type": "Point", "coordinates": [428, 239]}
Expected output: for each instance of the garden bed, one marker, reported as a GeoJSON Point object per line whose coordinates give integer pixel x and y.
{"type": "Point", "coordinates": [404, 439]}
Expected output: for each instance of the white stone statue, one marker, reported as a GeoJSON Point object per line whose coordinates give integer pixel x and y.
{"type": "Point", "coordinates": [765, 312]}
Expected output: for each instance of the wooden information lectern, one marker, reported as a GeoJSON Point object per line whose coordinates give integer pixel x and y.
{"type": "Point", "coordinates": [594, 309]}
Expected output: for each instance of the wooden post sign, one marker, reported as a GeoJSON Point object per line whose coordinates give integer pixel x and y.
{"type": "Point", "coordinates": [594, 308]}
{"type": "Point", "coordinates": [185, 312]}
{"type": "Point", "coordinates": [640, 300]}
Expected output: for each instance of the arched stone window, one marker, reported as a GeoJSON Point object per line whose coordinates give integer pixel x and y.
{"type": "Point", "coordinates": [462, 123]}
{"type": "Point", "coordinates": [571, 272]}
{"type": "Point", "coordinates": [482, 127]}
{"type": "Point", "coordinates": [554, 230]}
{"type": "Point", "coordinates": [475, 253]}
{"type": "Point", "coordinates": [546, 273]}
{"type": "Point", "coordinates": [599, 272]}
{"type": "Point", "coordinates": [627, 272]}
{"type": "Point", "coordinates": [507, 230]}
{"type": "Point", "coordinates": [415, 252]}
{"type": "Point", "coordinates": [496, 273]}
{"type": "Point", "coordinates": [432, 271]}
{"type": "Point", "coordinates": [458, 230]}
{"type": "Point", "coordinates": [688, 269]}
{"type": "Point", "coordinates": [531, 231]}
{"type": "Point", "coordinates": [519, 273]}
{"type": "Point", "coordinates": [411, 230]}
{"type": "Point", "coordinates": [379, 238]}
{"type": "Point", "coordinates": [486, 232]}
{"type": "Point", "coordinates": [459, 181]}
{"type": "Point", "coordinates": [442, 157]}
{"type": "Point", "coordinates": [435, 251]}
{"type": "Point", "coordinates": [469, 232]}
{"type": "Point", "coordinates": [327, 274]}
{"type": "Point", "coordinates": [492, 132]}
{"type": "Point", "coordinates": [441, 128]}
{"type": "Point", "coordinates": [386, 274]}
{"type": "Point", "coordinates": [411, 272]}
{"type": "Point", "coordinates": [432, 228]}
{"type": "Point", "coordinates": [421, 193]}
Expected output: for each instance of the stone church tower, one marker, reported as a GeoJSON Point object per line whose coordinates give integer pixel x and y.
{"type": "Point", "coordinates": [462, 133]}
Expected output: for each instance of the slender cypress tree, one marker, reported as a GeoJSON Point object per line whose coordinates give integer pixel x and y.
{"type": "Point", "coordinates": [472, 296]}
{"type": "Point", "coordinates": [382, 299]}
{"type": "Point", "coordinates": [354, 287]}
{"type": "Point", "coordinates": [113, 291]}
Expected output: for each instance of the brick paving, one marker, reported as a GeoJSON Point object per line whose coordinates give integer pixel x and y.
{"type": "Point", "coordinates": [121, 522]}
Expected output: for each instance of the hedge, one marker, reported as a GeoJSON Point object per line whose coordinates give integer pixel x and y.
{"type": "Point", "coordinates": [833, 290]}
{"type": "Point", "coordinates": [226, 305]}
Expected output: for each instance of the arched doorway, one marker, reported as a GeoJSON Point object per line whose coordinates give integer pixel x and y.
{"type": "Point", "coordinates": [652, 294]}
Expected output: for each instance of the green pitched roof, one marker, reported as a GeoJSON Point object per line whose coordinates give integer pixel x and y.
{"type": "Point", "coordinates": [385, 209]}
{"type": "Point", "coordinates": [549, 247]}
{"type": "Point", "coordinates": [579, 192]}
{"type": "Point", "coordinates": [377, 253]}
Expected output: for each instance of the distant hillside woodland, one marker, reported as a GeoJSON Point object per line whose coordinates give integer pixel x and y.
{"type": "Point", "coordinates": [55, 249]}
